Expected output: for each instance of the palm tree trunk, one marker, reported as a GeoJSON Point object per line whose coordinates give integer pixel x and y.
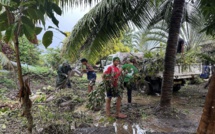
{"type": "Point", "coordinates": [206, 125]}
{"type": "Point", "coordinates": [170, 56]}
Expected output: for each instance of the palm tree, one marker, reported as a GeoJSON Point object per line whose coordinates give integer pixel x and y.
{"type": "Point", "coordinates": [153, 36]}
{"type": "Point", "coordinates": [145, 39]}
{"type": "Point", "coordinates": [170, 57]}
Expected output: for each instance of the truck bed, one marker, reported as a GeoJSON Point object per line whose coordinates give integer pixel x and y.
{"type": "Point", "coordinates": [185, 72]}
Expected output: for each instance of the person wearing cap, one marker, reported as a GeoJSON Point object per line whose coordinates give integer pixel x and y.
{"type": "Point", "coordinates": [129, 71]}
{"type": "Point", "coordinates": [62, 78]}
{"type": "Point", "coordinates": [111, 78]}
{"type": "Point", "coordinates": [91, 75]}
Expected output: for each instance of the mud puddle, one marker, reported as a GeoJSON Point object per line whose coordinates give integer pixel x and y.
{"type": "Point", "coordinates": [128, 128]}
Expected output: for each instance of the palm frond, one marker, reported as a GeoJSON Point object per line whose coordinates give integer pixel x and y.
{"type": "Point", "coordinates": [207, 8]}
{"type": "Point", "coordinates": [68, 4]}
{"type": "Point", "coordinates": [192, 13]}
{"type": "Point", "coordinates": [105, 22]}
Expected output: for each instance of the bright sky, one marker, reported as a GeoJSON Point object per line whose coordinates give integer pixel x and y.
{"type": "Point", "coordinates": [66, 23]}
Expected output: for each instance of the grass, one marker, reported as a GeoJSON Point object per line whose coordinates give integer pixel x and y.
{"type": "Point", "coordinates": [7, 83]}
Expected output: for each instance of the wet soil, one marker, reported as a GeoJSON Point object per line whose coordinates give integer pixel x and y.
{"type": "Point", "coordinates": [54, 118]}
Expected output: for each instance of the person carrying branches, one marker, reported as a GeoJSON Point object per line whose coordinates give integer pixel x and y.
{"type": "Point", "coordinates": [129, 71]}
{"type": "Point", "coordinates": [111, 78]}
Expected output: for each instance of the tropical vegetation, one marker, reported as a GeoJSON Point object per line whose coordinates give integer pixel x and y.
{"type": "Point", "coordinates": [152, 27]}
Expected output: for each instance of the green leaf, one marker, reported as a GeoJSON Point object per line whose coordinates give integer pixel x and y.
{"type": "Point", "coordinates": [40, 15]}
{"type": "Point", "coordinates": [38, 30]}
{"type": "Point", "coordinates": [30, 34]}
{"type": "Point", "coordinates": [9, 34]}
{"type": "Point", "coordinates": [54, 20]}
{"type": "Point", "coordinates": [51, 15]}
{"type": "Point", "coordinates": [56, 8]}
{"type": "Point", "coordinates": [28, 31]}
{"type": "Point", "coordinates": [47, 38]}
{"type": "Point", "coordinates": [33, 14]}
{"type": "Point", "coordinates": [42, 2]}
{"type": "Point", "coordinates": [27, 3]}
{"type": "Point", "coordinates": [3, 26]}
{"type": "Point", "coordinates": [3, 17]}
{"type": "Point", "coordinates": [26, 21]}
{"type": "Point", "coordinates": [5, 2]}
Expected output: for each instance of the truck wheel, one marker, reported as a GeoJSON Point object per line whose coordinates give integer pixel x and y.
{"type": "Point", "coordinates": [144, 88]}
{"type": "Point", "coordinates": [176, 88]}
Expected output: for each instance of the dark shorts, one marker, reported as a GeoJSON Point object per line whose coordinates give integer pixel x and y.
{"type": "Point", "coordinates": [91, 76]}
{"type": "Point", "coordinates": [112, 92]}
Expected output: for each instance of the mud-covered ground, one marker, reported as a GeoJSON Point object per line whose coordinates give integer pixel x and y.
{"type": "Point", "coordinates": [65, 112]}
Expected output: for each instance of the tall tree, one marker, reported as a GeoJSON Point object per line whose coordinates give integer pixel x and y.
{"type": "Point", "coordinates": [170, 57]}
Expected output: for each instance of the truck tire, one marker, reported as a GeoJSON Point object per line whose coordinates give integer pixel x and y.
{"type": "Point", "coordinates": [144, 88]}
{"type": "Point", "coordinates": [176, 88]}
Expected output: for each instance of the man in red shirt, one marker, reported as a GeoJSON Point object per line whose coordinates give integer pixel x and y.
{"type": "Point", "coordinates": [111, 78]}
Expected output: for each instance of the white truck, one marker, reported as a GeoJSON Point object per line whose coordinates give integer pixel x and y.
{"type": "Point", "coordinates": [181, 74]}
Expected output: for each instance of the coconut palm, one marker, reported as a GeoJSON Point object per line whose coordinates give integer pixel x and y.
{"type": "Point", "coordinates": [158, 33]}
{"type": "Point", "coordinates": [170, 57]}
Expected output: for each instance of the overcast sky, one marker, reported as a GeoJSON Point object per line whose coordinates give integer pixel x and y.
{"type": "Point", "coordinates": [66, 23]}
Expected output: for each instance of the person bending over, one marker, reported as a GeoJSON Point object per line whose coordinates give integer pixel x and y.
{"type": "Point", "coordinates": [63, 76]}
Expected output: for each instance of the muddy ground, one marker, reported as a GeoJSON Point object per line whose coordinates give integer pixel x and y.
{"type": "Point", "coordinates": [65, 112]}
